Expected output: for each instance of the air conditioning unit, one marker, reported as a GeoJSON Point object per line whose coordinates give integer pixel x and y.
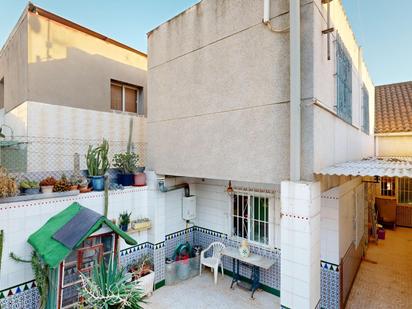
{"type": "Point", "coordinates": [189, 207]}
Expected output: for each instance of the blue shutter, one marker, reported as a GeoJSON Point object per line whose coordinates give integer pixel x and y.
{"type": "Point", "coordinates": [344, 83]}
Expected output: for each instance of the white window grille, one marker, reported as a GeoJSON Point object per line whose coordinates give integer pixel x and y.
{"type": "Point", "coordinates": [387, 186]}
{"type": "Point", "coordinates": [251, 217]}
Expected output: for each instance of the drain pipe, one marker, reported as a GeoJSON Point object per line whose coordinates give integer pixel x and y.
{"type": "Point", "coordinates": [295, 91]}
{"type": "Point", "coordinates": [164, 189]}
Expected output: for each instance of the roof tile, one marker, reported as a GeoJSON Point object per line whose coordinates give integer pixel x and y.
{"type": "Point", "coordinates": [393, 109]}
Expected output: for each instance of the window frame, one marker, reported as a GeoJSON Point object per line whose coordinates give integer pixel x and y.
{"type": "Point", "coordinates": [139, 97]}
{"type": "Point", "coordinates": [365, 111]}
{"type": "Point", "coordinates": [402, 181]}
{"type": "Point", "coordinates": [383, 187]}
{"type": "Point", "coordinates": [270, 219]}
{"type": "Point", "coordinates": [344, 93]}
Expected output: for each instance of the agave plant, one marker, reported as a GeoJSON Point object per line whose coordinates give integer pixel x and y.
{"type": "Point", "coordinates": [97, 159]}
{"type": "Point", "coordinates": [109, 287]}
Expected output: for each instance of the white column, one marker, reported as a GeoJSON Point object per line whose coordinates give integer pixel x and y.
{"type": "Point", "coordinates": [156, 208]}
{"type": "Point", "coordinates": [300, 245]}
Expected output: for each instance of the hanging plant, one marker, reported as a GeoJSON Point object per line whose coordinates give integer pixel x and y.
{"type": "Point", "coordinates": [1, 245]}
{"type": "Point", "coordinates": [40, 271]}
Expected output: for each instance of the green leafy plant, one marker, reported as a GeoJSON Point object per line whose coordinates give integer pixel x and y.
{"type": "Point", "coordinates": [126, 162]}
{"type": "Point", "coordinates": [124, 218]}
{"type": "Point", "coordinates": [29, 184]}
{"type": "Point", "coordinates": [109, 287]}
{"type": "Point", "coordinates": [40, 271]}
{"type": "Point", "coordinates": [97, 159]}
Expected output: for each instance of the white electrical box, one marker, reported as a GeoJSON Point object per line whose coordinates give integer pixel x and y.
{"type": "Point", "coordinates": [189, 208]}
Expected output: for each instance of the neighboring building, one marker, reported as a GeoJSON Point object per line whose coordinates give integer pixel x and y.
{"type": "Point", "coordinates": [62, 81]}
{"type": "Point", "coordinates": [393, 124]}
{"type": "Point", "coordinates": [219, 110]}
{"type": "Point", "coordinates": [52, 60]}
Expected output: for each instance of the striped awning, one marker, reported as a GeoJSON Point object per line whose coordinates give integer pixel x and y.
{"type": "Point", "coordinates": [373, 166]}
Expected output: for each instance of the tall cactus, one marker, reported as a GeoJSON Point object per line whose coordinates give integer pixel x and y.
{"type": "Point", "coordinates": [97, 159]}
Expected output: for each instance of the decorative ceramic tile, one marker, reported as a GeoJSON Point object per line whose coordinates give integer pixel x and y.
{"type": "Point", "coordinates": [174, 239]}
{"type": "Point", "coordinates": [329, 285]}
{"type": "Point", "coordinates": [270, 277]}
{"type": "Point", "coordinates": [24, 296]}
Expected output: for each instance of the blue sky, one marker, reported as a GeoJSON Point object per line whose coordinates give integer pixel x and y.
{"type": "Point", "coordinates": [382, 27]}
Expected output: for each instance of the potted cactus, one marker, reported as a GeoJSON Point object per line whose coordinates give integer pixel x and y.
{"type": "Point", "coordinates": [62, 185]}
{"type": "Point", "coordinates": [126, 163]}
{"type": "Point", "coordinates": [47, 184]}
{"type": "Point", "coordinates": [97, 160]}
{"type": "Point", "coordinates": [84, 185]}
{"type": "Point", "coordinates": [29, 187]}
{"type": "Point", "coordinates": [75, 182]}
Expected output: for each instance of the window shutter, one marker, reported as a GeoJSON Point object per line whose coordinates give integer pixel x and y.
{"type": "Point", "coordinates": [130, 100]}
{"type": "Point", "coordinates": [116, 97]}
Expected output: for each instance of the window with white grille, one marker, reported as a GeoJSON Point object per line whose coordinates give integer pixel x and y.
{"type": "Point", "coordinates": [405, 191]}
{"type": "Point", "coordinates": [251, 217]}
{"type": "Point", "coordinates": [344, 83]}
{"type": "Point", "coordinates": [387, 186]}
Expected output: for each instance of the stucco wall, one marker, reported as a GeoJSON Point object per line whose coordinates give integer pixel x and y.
{"type": "Point", "coordinates": [14, 66]}
{"type": "Point", "coordinates": [71, 68]}
{"type": "Point", "coordinates": [394, 145]}
{"type": "Point", "coordinates": [219, 91]}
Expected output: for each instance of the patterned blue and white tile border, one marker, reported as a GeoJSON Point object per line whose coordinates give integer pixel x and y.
{"type": "Point", "coordinates": [329, 285]}
{"type": "Point", "coordinates": [25, 295]}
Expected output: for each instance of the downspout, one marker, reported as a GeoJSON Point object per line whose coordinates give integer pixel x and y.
{"type": "Point", "coordinates": [295, 91]}
{"type": "Point", "coordinates": [164, 189]}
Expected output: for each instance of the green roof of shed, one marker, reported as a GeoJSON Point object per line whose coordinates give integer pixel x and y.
{"type": "Point", "coordinates": [52, 251]}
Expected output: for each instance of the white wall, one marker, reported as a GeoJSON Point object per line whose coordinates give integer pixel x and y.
{"type": "Point", "coordinates": [20, 220]}
{"type": "Point", "coordinates": [395, 145]}
{"type": "Point", "coordinates": [333, 139]}
{"type": "Point", "coordinates": [56, 132]}
{"type": "Point", "coordinates": [214, 205]}
{"type": "Point", "coordinates": [338, 215]}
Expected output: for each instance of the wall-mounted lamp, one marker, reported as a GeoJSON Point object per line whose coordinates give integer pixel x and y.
{"type": "Point", "coordinates": [229, 189]}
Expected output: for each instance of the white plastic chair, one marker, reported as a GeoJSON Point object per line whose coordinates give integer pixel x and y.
{"type": "Point", "coordinates": [215, 260]}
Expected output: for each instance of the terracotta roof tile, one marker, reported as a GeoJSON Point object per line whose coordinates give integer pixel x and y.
{"type": "Point", "coordinates": [393, 108]}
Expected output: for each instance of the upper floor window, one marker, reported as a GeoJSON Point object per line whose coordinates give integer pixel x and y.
{"type": "Point", "coordinates": [365, 110]}
{"type": "Point", "coordinates": [344, 83]}
{"type": "Point", "coordinates": [126, 98]}
{"type": "Point", "coordinates": [251, 217]}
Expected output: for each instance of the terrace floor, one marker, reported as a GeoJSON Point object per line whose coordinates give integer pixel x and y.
{"type": "Point", "coordinates": [388, 283]}
{"type": "Point", "coordinates": [201, 293]}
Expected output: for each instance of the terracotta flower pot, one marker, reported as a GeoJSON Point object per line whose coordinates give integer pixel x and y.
{"type": "Point", "coordinates": [140, 179]}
